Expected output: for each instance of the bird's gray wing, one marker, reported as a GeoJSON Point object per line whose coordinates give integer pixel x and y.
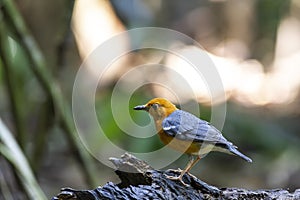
{"type": "Point", "coordinates": [185, 126]}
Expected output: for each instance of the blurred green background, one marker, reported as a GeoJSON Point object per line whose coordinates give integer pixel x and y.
{"type": "Point", "coordinates": [43, 45]}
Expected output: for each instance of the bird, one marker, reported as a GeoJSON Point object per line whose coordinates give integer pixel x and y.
{"type": "Point", "coordinates": [187, 133]}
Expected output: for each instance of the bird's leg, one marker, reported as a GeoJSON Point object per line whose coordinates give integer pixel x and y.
{"type": "Point", "coordinates": [188, 167]}
{"type": "Point", "coordinates": [193, 164]}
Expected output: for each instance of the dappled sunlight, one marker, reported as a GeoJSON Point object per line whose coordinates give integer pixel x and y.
{"type": "Point", "coordinates": [243, 79]}
{"type": "Point", "coordinates": [94, 23]}
{"type": "Point", "coordinates": [72, 72]}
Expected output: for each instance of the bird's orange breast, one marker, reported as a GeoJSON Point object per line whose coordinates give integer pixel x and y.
{"type": "Point", "coordinates": [183, 146]}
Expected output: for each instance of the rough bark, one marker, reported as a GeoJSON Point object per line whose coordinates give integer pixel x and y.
{"type": "Point", "coordinates": [141, 181]}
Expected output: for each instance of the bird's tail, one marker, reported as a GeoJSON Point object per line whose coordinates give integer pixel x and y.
{"type": "Point", "coordinates": [234, 151]}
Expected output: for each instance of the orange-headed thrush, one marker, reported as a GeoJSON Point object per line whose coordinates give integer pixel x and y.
{"type": "Point", "coordinates": [187, 133]}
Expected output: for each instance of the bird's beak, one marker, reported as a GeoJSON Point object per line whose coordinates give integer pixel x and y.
{"type": "Point", "coordinates": [141, 107]}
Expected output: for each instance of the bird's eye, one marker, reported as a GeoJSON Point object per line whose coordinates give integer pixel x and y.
{"type": "Point", "coordinates": [155, 106]}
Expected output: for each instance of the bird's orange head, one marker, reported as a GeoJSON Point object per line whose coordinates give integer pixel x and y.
{"type": "Point", "coordinates": [158, 107]}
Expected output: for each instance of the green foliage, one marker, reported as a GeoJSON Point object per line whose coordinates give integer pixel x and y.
{"type": "Point", "coordinates": [33, 105]}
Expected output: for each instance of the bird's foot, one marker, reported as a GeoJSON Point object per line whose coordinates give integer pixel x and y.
{"type": "Point", "coordinates": [175, 170]}
{"type": "Point", "coordinates": [179, 178]}
{"type": "Point", "coordinates": [191, 175]}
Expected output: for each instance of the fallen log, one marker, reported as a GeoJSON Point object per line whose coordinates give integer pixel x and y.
{"type": "Point", "coordinates": [141, 181]}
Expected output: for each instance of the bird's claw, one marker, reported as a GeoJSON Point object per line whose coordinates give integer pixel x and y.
{"type": "Point", "coordinates": [173, 177]}
{"type": "Point", "coordinates": [179, 178]}
{"type": "Point", "coordinates": [174, 170]}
